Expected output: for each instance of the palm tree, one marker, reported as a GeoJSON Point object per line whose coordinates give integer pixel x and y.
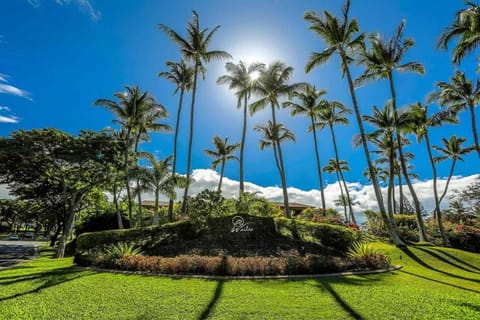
{"type": "Point", "coordinates": [466, 27]}
{"type": "Point", "coordinates": [334, 112]}
{"type": "Point", "coordinates": [337, 167]}
{"type": "Point", "coordinates": [385, 57]}
{"type": "Point", "coordinates": [311, 106]}
{"type": "Point", "coordinates": [136, 113]}
{"type": "Point", "coordinates": [341, 37]}
{"type": "Point", "coordinates": [451, 149]}
{"type": "Point", "coordinates": [273, 136]}
{"type": "Point", "coordinates": [458, 95]}
{"type": "Point", "coordinates": [271, 85]}
{"type": "Point", "coordinates": [221, 155]}
{"type": "Point", "coordinates": [180, 74]}
{"type": "Point", "coordinates": [239, 78]}
{"type": "Point", "coordinates": [194, 49]}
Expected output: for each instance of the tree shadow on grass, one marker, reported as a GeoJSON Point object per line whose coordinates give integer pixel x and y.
{"type": "Point", "coordinates": [439, 257]}
{"type": "Point", "coordinates": [415, 258]}
{"type": "Point", "coordinates": [48, 279]}
{"type": "Point", "coordinates": [451, 256]}
{"type": "Point", "coordinates": [438, 281]}
{"type": "Point", "coordinates": [325, 285]}
{"type": "Point", "coordinates": [216, 295]}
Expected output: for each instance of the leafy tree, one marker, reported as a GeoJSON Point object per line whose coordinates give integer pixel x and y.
{"type": "Point", "coordinates": [338, 167]}
{"type": "Point", "coordinates": [222, 153]}
{"type": "Point", "coordinates": [194, 49]}
{"type": "Point", "coordinates": [239, 78]}
{"type": "Point", "coordinates": [50, 163]}
{"type": "Point", "coordinates": [181, 75]}
{"type": "Point", "coordinates": [341, 36]}
{"type": "Point", "coordinates": [273, 136]}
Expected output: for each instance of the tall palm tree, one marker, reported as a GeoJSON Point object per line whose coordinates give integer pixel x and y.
{"type": "Point", "coordinates": [381, 60]}
{"type": "Point", "coordinates": [181, 75]}
{"type": "Point", "coordinates": [341, 37]}
{"type": "Point", "coordinates": [270, 87]}
{"type": "Point", "coordinates": [458, 95]}
{"type": "Point", "coordinates": [451, 149]}
{"type": "Point", "coordinates": [239, 78]}
{"type": "Point", "coordinates": [311, 104]}
{"type": "Point", "coordinates": [194, 49]}
{"type": "Point", "coordinates": [222, 153]}
{"type": "Point", "coordinates": [273, 135]}
{"type": "Point", "coordinates": [466, 27]}
{"type": "Point", "coordinates": [331, 113]}
{"type": "Point", "coordinates": [337, 167]}
{"type": "Point", "coordinates": [136, 112]}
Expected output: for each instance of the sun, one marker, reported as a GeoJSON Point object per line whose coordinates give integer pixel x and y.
{"type": "Point", "coordinates": [254, 75]}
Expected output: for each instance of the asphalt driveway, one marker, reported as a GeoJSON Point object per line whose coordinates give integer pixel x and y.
{"type": "Point", "coordinates": [13, 252]}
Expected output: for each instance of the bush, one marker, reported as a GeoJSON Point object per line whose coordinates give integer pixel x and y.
{"type": "Point", "coordinates": [364, 256]}
{"type": "Point", "coordinates": [406, 223]}
{"type": "Point", "coordinates": [100, 222]}
{"type": "Point", "coordinates": [465, 238]}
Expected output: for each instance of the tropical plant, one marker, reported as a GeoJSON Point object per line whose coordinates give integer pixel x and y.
{"type": "Point", "coordinates": [273, 135]}
{"type": "Point", "coordinates": [381, 60]}
{"type": "Point", "coordinates": [459, 94]}
{"type": "Point", "coordinates": [180, 74]}
{"type": "Point", "coordinates": [195, 49]}
{"type": "Point", "coordinates": [222, 153]}
{"type": "Point", "coordinates": [311, 106]}
{"type": "Point", "coordinates": [341, 36]}
{"type": "Point", "coordinates": [239, 78]}
{"type": "Point", "coordinates": [271, 85]}
{"type": "Point", "coordinates": [122, 249]}
{"type": "Point", "coordinates": [465, 27]}
{"type": "Point", "coordinates": [338, 167]}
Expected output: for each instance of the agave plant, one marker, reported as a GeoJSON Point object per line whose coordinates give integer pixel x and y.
{"type": "Point", "coordinates": [365, 256]}
{"type": "Point", "coordinates": [122, 249]}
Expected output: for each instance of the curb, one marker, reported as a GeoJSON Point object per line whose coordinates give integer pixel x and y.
{"type": "Point", "coordinates": [279, 277]}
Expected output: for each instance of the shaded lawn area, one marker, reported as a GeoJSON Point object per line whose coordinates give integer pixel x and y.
{"type": "Point", "coordinates": [435, 283]}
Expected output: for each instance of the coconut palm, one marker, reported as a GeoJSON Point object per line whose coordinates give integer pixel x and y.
{"type": "Point", "coordinates": [333, 112]}
{"type": "Point", "coordinates": [421, 123]}
{"type": "Point", "coordinates": [459, 94]}
{"type": "Point", "coordinates": [339, 166]}
{"type": "Point", "coordinates": [194, 49]}
{"type": "Point", "coordinates": [381, 60]}
{"type": "Point", "coordinates": [451, 149]}
{"type": "Point", "coordinates": [273, 135]}
{"type": "Point", "coordinates": [181, 75]}
{"type": "Point", "coordinates": [239, 78]}
{"type": "Point", "coordinates": [341, 36]}
{"type": "Point", "coordinates": [465, 27]}
{"type": "Point", "coordinates": [136, 112]}
{"type": "Point", "coordinates": [270, 87]}
{"type": "Point", "coordinates": [222, 153]}
{"type": "Point", "coordinates": [311, 104]}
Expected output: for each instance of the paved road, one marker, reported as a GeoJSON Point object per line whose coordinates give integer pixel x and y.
{"type": "Point", "coordinates": [13, 252]}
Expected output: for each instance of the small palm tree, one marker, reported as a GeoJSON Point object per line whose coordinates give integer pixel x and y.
{"type": "Point", "coordinates": [194, 49]}
{"type": "Point", "coordinates": [341, 36]}
{"type": "Point", "coordinates": [273, 136]}
{"type": "Point", "coordinates": [181, 75]}
{"type": "Point", "coordinates": [451, 149]}
{"type": "Point", "coordinates": [310, 105]}
{"type": "Point", "coordinates": [338, 167]}
{"type": "Point", "coordinates": [466, 27]}
{"type": "Point", "coordinates": [239, 78]}
{"type": "Point", "coordinates": [459, 94]}
{"type": "Point", "coordinates": [222, 153]}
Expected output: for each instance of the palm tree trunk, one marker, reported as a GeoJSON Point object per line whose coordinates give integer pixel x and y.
{"type": "Point", "coordinates": [418, 211]}
{"type": "Point", "coordinates": [435, 190]}
{"type": "Point", "coordinates": [342, 195]}
{"type": "Point", "coordinates": [242, 146]}
{"type": "Point", "coordinates": [474, 127]}
{"type": "Point", "coordinates": [222, 170]}
{"type": "Point", "coordinates": [190, 141]}
{"type": "Point", "coordinates": [117, 209]}
{"type": "Point", "coordinates": [139, 195]}
{"type": "Point", "coordinates": [349, 200]}
{"type": "Point", "coordinates": [391, 178]}
{"type": "Point", "coordinates": [400, 190]}
{"type": "Point", "coordinates": [319, 167]}
{"type": "Point", "coordinates": [446, 242]}
{"type": "Point", "coordinates": [376, 187]}
{"type": "Point", "coordinates": [156, 214]}
{"type": "Point", "coordinates": [127, 178]}
{"type": "Point", "coordinates": [175, 140]}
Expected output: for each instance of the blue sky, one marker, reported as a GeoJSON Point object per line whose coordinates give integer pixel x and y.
{"type": "Point", "coordinates": [62, 55]}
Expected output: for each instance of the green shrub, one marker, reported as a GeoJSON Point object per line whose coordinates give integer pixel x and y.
{"type": "Point", "coordinates": [364, 256]}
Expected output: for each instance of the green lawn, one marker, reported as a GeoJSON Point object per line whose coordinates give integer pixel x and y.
{"type": "Point", "coordinates": [435, 283]}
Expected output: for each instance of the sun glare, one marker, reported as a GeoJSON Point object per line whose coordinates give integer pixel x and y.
{"type": "Point", "coordinates": [254, 75]}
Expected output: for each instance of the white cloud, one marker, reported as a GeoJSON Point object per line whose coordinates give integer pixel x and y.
{"type": "Point", "coordinates": [85, 5]}
{"type": "Point", "coordinates": [8, 89]}
{"type": "Point", "coordinates": [8, 119]}
{"type": "Point", "coordinates": [364, 194]}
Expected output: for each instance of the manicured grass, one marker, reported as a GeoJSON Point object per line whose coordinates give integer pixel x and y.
{"type": "Point", "coordinates": [435, 283]}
